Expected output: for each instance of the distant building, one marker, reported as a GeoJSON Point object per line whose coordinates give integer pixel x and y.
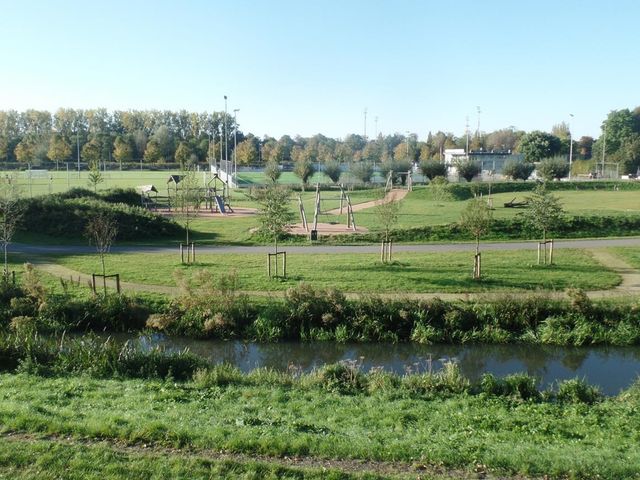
{"type": "Point", "coordinates": [491, 163]}
{"type": "Point", "coordinates": [494, 161]}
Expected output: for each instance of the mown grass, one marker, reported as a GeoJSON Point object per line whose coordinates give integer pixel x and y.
{"type": "Point", "coordinates": [457, 430]}
{"type": "Point", "coordinates": [410, 272]}
{"type": "Point", "coordinates": [630, 254]}
{"type": "Point", "coordinates": [51, 459]}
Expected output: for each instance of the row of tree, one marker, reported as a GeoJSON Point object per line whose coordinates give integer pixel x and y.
{"type": "Point", "coordinates": [186, 137]}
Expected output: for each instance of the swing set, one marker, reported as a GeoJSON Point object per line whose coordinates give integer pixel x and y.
{"type": "Point", "coordinates": [345, 204]}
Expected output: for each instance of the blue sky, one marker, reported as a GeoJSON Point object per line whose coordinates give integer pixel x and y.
{"type": "Point", "coordinates": [302, 67]}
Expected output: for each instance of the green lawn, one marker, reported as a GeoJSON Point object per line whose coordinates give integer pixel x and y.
{"type": "Point", "coordinates": [449, 430]}
{"type": "Point", "coordinates": [410, 272]}
{"type": "Point", "coordinates": [630, 254]}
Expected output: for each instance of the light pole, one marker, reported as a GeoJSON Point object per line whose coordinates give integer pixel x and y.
{"type": "Point", "coordinates": [78, 149]}
{"type": "Point", "coordinates": [407, 144]}
{"type": "Point", "coordinates": [226, 138]}
{"type": "Point", "coordinates": [221, 148]}
{"type": "Point", "coordinates": [570, 146]}
{"type": "Point", "coordinates": [235, 144]}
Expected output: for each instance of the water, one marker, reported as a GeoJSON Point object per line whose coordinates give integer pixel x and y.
{"type": "Point", "coordinates": [611, 368]}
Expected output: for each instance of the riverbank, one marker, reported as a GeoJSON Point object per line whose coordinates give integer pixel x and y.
{"type": "Point", "coordinates": [269, 417]}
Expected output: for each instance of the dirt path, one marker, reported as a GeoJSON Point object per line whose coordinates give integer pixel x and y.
{"type": "Point", "coordinates": [629, 285]}
{"type": "Point", "coordinates": [396, 194]}
{"type": "Point", "coordinates": [349, 466]}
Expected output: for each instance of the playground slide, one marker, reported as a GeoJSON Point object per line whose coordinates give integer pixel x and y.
{"type": "Point", "coordinates": [220, 204]}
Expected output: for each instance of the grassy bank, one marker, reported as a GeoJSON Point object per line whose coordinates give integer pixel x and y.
{"type": "Point", "coordinates": [23, 457]}
{"type": "Point", "coordinates": [210, 306]}
{"type": "Point", "coordinates": [504, 434]}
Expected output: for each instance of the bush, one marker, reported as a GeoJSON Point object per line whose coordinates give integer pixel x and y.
{"type": "Point", "coordinates": [432, 169]}
{"type": "Point", "coordinates": [468, 169]}
{"type": "Point", "coordinates": [518, 385]}
{"type": "Point", "coordinates": [344, 378]}
{"type": "Point", "coordinates": [518, 170]}
{"type": "Point", "coordinates": [67, 217]}
{"type": "Point", "coordinates": [362, 171]}
{"type": "Point", "coordinates": [578, 391]}
{"type": "Point", "coordinates": [553, 168]}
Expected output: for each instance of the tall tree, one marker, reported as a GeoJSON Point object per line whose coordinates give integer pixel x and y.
{"type": "Point", "coordinates": [537, 145]}
{"type": "Point", "coordinates": [123, 149]}
{"type": "Point", "coordinates": [59, 149]}
{"type": "Point", "coordinates": [304, 170]}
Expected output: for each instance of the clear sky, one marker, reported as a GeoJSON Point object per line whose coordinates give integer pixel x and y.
{"type": "Point", "coordinates": [304, 67]}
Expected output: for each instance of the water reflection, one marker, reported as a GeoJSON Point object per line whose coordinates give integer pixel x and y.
{"type": "Point", "coordinates": [612, 368]}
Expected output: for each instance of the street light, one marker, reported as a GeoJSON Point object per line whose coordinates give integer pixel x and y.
{"type": "Point", "coordinates": [235, 144]}
{"type": "Point", "coordinates": [570, 147]}
{"type": "Point", "coordinates": [78, 149]}
{"type": "Point", "coordinates": [226, 138]}
{"type": "Point", "coordinates": [407, 142]}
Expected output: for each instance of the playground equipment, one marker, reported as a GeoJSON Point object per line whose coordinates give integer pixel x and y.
{"type": "Point", "coordinates": [216, 195]}
{"type": "Point", "coordinates": [345, 203]}
{"type": "Point", "coordinates": [148, 196]}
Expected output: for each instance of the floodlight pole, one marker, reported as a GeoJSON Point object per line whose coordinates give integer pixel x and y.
{"type": "Point", "coordinates": [226, 141]}
{"type": "Point", "coordinates": [235, 144]}
{"type": "Point", "coordinates": [570, 147]}
{"type": "Point", "coordinates": [78, 150]}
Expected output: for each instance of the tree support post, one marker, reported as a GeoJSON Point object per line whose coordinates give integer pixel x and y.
{"type": "Point", "coordinates": [386, 251]}
{"type": "Point", "coordinates": [272, 259]}
{"type": "Point", "coordinates": [190, 252]}
{"type": "Point", "coordinates": [542, 252]}
{"type": "Point", "coordinates": [477, 266]}
{"type": "Point", "coordinates": [104, 281]}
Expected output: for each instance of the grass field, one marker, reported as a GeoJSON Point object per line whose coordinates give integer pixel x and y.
{"type": "Point", "coordinates": [263, 417]}
{"type": "Point", "coordinates": [410, 272]}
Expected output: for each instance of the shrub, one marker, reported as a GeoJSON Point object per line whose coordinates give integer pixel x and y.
{"type": "Point", "coordinates": [433, 168]}
{"type": "Point", "coordinates": [468, 169]}
{"type": "Point", "coordinates": [59, 217]}
{"type": "Point", "coordinates": [518, 170]}
{"type": "Point", "coordinates": [553, 168]}
{"type": "Point", "coordinates": [344, 377]}
{"type": "Point", "coordinates": [519, 385]}
{"type": "Point", "coordinates": [578, 391]}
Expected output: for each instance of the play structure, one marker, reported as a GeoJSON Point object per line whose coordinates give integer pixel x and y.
{"type": "Point", "coordinates": [214, 195]}
{"type": "Point", "coordinates": [345, 205]}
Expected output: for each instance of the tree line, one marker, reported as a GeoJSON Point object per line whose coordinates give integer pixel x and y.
{"type": "Point", "coordinates": [154, 136]}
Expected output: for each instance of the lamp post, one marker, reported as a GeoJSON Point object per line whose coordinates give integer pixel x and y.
{"type": "Point", "coordinates": [407, 144]}
{"type": "Point", "coordinates": [570, 146]}
{"type": "Point", "coordinates": [226, 138]}
{"type": "Point", "coordinates": [78, 149]}
{"type": "Point", "coordinates": [235, 144]}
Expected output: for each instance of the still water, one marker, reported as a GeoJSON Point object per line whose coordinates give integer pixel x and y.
{"type": "Point", "coordinates": [611, 368]}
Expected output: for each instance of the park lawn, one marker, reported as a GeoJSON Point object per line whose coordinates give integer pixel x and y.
{"type": "Point", "coordinates": [419, 209]}
{"type": "Point", "coordinates": [629, 254]}
{"type": "Point", "coordinates": [409, 273]}
{"type": "Point", "coordinates": [263, 417]}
